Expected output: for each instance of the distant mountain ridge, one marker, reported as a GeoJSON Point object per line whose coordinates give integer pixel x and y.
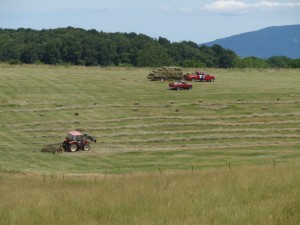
{"type": "Point", "coordinates": [264, 43]}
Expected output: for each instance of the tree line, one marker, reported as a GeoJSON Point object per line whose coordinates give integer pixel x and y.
{"type": "Point", "coordinates": [77, 46]}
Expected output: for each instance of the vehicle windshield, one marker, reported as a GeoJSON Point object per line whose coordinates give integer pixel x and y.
{"type": "Point", "coordinates": [72, 137]}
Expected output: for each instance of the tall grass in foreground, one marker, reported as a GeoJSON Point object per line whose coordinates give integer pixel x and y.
{"type": "Point", "coordinates": [247, 195]}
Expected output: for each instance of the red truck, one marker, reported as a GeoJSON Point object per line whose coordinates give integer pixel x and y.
{"type": "Point", "coordinates": [180, 85]}
{"type": "Point", "coordinates": [200, 76]}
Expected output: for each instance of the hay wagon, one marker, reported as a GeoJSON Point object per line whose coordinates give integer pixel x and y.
{"type": "Point", "coordinates": [166, 73]}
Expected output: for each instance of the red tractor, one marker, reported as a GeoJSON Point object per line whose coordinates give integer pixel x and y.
{"type": "Point", "coordinates": [200, 76]}
{"type": "Point", "coordinates": [77, 141]}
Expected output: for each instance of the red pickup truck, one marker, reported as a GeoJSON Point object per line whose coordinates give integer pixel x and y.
{"type": "Point", "coordinates": [200, 76]}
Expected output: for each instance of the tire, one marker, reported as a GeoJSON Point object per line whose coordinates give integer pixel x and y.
{"type": "Point", "coordinates": [86, 147]}
{"type": "Point", "coordinates": [212, 80]}
{"type": "Point", "coordinates": [193, 80]}
{"type": "Point", "coordinates": [190, 88]}
{"type": "Point", "coordinates": [73, 147]}
{"type": "Point", "coordinates": [178, 89]}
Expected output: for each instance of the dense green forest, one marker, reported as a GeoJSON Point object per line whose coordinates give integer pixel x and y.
{"type": "Point", "coordinates": [77, 46]}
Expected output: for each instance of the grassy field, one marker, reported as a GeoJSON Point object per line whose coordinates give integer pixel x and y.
{"type": "Point", "coordinates": [245, 117]}
{"type": "Point", "coordinates": [248, 195]}
{"type": "Point", "coordinates": [223, 153]}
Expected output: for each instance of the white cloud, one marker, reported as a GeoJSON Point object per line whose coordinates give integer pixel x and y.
{"type": "Point", "coordinates": [230, 5]}
{"type": "Point", "coordinates": [270, 4]}
{"type": "Point", "coordinates": [238, 5]}
{"type": "Point", "coordinates": [186, 9]}
{"type": "Point", "coordinates": [166, 8]}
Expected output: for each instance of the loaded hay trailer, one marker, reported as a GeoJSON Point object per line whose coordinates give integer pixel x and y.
{"type": "Point", "coordinates": [166, 73]}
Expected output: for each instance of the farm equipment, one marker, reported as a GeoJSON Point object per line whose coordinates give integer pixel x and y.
{"type": "Point", "coordinates": [166, 73]}
{"type": "Point", "coordinates": [77, 141]}
{"type": "Point", "coordinates": [55, 148]}
{"type": "Point", "coordinates": [73, 142]}
{"type": "Point", "coordinates": [199, 76]}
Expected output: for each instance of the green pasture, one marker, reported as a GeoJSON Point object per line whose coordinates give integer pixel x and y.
{"type": "Point", "coordinates": [264, 195]}
{"type": "Point", "coordinates": [245, 117]}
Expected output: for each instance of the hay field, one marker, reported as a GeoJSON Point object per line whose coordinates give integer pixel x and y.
{"type": "Point", "coordinates": [224, 153]}
{"type": "Point", "coordinates": [246, 117]}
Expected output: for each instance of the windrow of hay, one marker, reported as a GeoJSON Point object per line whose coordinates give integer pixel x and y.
{"type": "Point", "coordinates": [137, 133]}
{"type": "Point", "coordinates": [206, 137]}
{"type": "Point", "coordinates": [155, 118]}
{"type": "Point", "coordinates": [172, 124]}
{"type": "Point", "coordinates": [213, 146]}
{"type": "Point", "coordinates": [101, 106]}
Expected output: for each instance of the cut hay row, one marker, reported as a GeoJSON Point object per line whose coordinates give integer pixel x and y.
{"type": "Point", "coordinates": [212, 146]}
{"type": "Point", "coordinates": [120, 147]}
{"type": "Point", "coordinates": [203, 138]}
{"type": "Point", "coordinates": [176, 132]}
{"type": "Point", "coordinates": [54, 106]}
{"type": "Point", "coordinates": [155, 118]}
{"type": "Point", "coordinates": [264, 102]}
{"type": "Point", "coordinates": [167, 124]}
{"type": "Point", "coordinates": [99, 106]}
{"type": "Point", "coordinates": [206, 117]}
{"type": "Point", "coordinates": [200, 132]}
{"type": "Point", "coordinates": [63, 108]}
{"type": "Point", "coordinates": [63, 105]}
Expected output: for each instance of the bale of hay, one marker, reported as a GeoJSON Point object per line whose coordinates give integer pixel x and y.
{"type": "Point", "coordinates": [166, 73]}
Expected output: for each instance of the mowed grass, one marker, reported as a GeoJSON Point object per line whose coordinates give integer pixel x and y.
{"type": "Point", "coordinates": [224, 153]}
{"type": "Point", "coordinates": [244, 117]}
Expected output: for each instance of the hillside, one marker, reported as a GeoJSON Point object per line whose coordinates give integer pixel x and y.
{"type": "Point", "coordinates": [140, 125]}
{"type": "Point", "coordinates": [77, 46]}
{"type": "Point", "coordinates": [264, 43]}
{"type": "Point", "coordinates": [226, 152]}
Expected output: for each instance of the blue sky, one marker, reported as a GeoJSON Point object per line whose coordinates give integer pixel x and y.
{"type": "Point", "coordinates": [177, 20]}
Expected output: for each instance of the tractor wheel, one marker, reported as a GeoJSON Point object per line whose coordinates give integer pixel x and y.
{"type": "Point", "coordinates": [193, 80]}
{"type": "Point", "coordinates": [178, 89]}
{"type": "Point", "coordinates": [212, 80]}
{"type": "Point", "coordinates": [73, 147]}
{"type": "Point", "coordinates": [86, 147]}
